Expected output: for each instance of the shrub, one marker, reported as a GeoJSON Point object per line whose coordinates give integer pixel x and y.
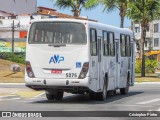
{"type": "Point", "coordinates": [138, 66]}
{"type": "Point", "coordinates": [150, 66]}
{"type": "Point", "coordinates": [14, 57]}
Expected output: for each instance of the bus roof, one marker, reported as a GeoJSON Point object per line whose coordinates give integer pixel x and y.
{"type": "Point", "coordinates": [90, 23]}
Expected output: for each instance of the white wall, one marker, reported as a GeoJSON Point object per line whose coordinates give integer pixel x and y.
{"type": "Point", "coordinates": [8, 34]}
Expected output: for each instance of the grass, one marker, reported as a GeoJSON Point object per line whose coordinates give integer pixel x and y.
{"type": "Point", "coordinates": [28, 94]}
{"type": "Point", "coordinates": [150, 77]}
{"type": "Point", "coordinates": [7, 76]}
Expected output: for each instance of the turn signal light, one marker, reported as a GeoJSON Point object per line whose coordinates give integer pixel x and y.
{"type": "Point", "coordinates": [29, 70]}
{"type": "Point", "coordinates": [84, 70]}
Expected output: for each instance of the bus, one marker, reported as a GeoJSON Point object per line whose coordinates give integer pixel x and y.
{"type": "Point", "coordinates": [79, 57]}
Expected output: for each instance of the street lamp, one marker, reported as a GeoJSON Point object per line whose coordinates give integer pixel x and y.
{"type": "Point", "coordinates": [13, 37]}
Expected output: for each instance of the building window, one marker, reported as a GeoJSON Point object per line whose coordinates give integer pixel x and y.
{"type": "Point", "coordinates": [137, 29]}
{"type": "Point", "coordinates": [93, 42]}
{"type": "Point", "coordinates": [156, 42]}
{"type": "Point", "coordinates": [12, 17]}
{"type": "Point", "coordinates": [145, 42]}
{"type": "Point", "coordinates": [156, 27]}
{"type": "Point", "coordinates": [147, 29]}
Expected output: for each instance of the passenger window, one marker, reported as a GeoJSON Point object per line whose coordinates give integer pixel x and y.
{"type": "Point", "coordinates": [105, 44]}
{"type": "Point", "coordinates": [111, 44]}
{"type": "Point", "coordinates": [123, 45]}
{"type": "Point", "coordinates": [128, 46]}
{"type": "Point", "coordinates": [93, 42]}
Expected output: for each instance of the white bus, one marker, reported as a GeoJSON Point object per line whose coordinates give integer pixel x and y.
{"type": "Point", "coordinates": [79, 56]}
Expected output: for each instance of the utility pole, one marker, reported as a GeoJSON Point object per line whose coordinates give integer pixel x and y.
{"type": "Point", "coordinates": [13, 37]}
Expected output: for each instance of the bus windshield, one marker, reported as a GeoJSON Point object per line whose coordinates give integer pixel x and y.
{"type": "Point", "coordinates": [57, 32]}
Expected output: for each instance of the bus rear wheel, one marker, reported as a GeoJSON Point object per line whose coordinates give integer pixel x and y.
{"type": "Point", "coordinates": [59, 95]}
{"type": "Point", "coordinates": [101, 96]}
{"type": "Point", "coordinates": [50, 96]}
{"type": "Point", "coordinates": [125, 90]}
{"type": "Point", "coordinates": [56, 96]}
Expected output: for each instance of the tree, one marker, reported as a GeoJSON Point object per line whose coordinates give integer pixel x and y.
{"type": "Point", "coordinates": [75, 5]}
{"type": "Point", "coordinates": [143, 12]}
{"type": "Point", "coordinates": [111, 5]}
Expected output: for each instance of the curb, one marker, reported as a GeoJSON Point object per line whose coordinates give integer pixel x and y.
{"type": "Point", "coordinates": [9, 97]}
{"type": "Point", "coordinates": [147, 83]}
{"type": "Point", "coordinates": [12, 84]}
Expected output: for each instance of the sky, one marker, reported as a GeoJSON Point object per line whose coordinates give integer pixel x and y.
{"type": "Point", "coordinates": [96, 13]}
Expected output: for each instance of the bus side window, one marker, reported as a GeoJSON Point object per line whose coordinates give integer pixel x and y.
{"type": "Point", "coordinates": [105, 44]}
{"type": "Point", "coordinates": [123, 45]}
{"type": "Point", "coordinates": [111, 44]}
{"type": "Point", "coordinates": [128, 46]}
{"type": "Point", "coordinates": [93, 42]}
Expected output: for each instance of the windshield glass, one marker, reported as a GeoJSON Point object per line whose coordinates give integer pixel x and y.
{"type": "Point", "coordinates": [57, 32]}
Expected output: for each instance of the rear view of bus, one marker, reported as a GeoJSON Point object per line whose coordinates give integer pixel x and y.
{"type": "Point", "coordinates": [57, 58]}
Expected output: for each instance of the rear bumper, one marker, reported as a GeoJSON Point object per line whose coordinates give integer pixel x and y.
{"type": "Point", "coordinates": [42, 84]}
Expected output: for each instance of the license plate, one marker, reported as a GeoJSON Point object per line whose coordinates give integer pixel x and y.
{"type": "Point", "coordinates": [56, 71]}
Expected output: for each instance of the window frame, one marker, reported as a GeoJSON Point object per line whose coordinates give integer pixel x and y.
{"type": "Point", "coordinates": [122, 44]}
{"type": "Point", "coordinates": [156, 28]}
{"type": "Point", "coordinates": [111, 45]}
{"type": "Point", "coordinates": [128, 46]}
{"type": "Point", "coordinates": [91, 42]}
{"type": "Point", "coordinates": [157, 44]}
{"type": "Point", "coordinates": [106, 44]}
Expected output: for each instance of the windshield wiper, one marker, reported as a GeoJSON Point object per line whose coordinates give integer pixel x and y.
{"type": "Point", "coordinates": [57, 44]}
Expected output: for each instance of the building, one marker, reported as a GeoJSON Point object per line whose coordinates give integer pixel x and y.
{"type": "Point", "coordinates": [152, 39]}
{"type": "Point", "coordinates": [21, 22]}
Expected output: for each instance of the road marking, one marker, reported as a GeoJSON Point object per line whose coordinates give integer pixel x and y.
{"type": "Point", "coordinates": [39, 95]}
{"type": "Point", "coordinates": [149, 101]}
{"type": "Point", "coordinates": [133, 105]}
{"type": "Point", "coordinates": [9, 99]}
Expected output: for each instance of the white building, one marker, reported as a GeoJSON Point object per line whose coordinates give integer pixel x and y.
{"type": "Point", "coordinates": [152, 40]}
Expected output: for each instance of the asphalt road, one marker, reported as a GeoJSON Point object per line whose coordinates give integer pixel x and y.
{"type": "Point", "coordinates": [142, 97]}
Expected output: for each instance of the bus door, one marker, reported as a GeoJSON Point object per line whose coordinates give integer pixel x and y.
{"type": "Point", "coordinates": [100, 63]}
{"type": "Point", "coordinates": [117, 45]}
{"type": "Point", "coordinates": [132, 63]}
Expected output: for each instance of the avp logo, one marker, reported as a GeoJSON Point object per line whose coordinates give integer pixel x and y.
{"type": "Point", "coordinates": [56, 59]}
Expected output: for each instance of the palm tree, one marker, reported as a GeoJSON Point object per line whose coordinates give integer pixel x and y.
{"type": "Point", "coordinates": [75, 5]}
{"type": "Point", "coordinates": [110, 5]}
{"type": "Point", "coordinates": [143, 12]}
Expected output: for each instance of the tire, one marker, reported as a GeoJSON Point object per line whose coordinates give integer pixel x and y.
{"type": "Point", "coordinates": [92, 95]}
{"type": "Point", "coordinates": [124, 91]}
{"type": "Point", "coordinates": [59, 95]}
{"type": "Point", "coordinates": [50, 96]}
{"type": "Point", "coordinates": [101, 96]}
{"type": "Point", "coordinates": [111, 92]}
